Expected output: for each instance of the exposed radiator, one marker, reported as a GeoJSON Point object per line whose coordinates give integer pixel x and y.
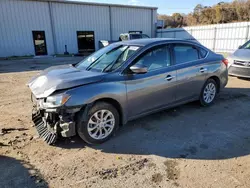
{"type": "Point", "coordinates": [47, 135]}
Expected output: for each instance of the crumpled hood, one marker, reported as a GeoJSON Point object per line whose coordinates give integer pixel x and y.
{"type": "Point", "coordinates": [241, 55]}
{"type": "Point", "coordinates": [61, 77]}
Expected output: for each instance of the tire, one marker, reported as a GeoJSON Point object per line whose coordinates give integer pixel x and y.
{"type": "Point", "coordinates": [205, 100]}
{"type": "Point", "coordinates": [96, 118]}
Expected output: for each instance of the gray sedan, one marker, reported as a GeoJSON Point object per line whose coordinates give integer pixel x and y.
{"type": "Point", "coordinates": [122, 82]}
{"type": "Point", "coordinates": [239, 62]}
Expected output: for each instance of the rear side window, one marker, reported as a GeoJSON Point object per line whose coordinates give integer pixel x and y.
{"type": "Point", "coordinates": [185, 53]}
{"type": "Point", "coordinates": [203, 53]}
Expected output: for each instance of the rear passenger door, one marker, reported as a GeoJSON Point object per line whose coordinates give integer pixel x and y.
{"type": "Point", "coordinates": [189, 63]}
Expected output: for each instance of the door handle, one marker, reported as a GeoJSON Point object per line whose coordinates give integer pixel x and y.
{"type": "Point", "coordinates": [202, 70]}
{"type": "Point", "coordinates": [169, 77]}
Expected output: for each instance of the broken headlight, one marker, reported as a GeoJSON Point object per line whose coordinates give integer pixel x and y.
{"type": "Point", "coordinates": [56, 100]}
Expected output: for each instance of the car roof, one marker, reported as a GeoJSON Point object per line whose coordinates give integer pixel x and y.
{"type": "Point", "coordinates": [149, 41]}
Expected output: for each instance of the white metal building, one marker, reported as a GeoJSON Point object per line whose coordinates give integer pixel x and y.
{"type": "Point", "coordinates": [44, 27]}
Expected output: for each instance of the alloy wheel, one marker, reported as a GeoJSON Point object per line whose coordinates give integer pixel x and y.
{"type": "Point", "coordinates": [101, 124]}
{"type": "Point", "coordinates": [209, 93]}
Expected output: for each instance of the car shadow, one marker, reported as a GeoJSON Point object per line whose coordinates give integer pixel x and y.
{"type": "Point", "coordinates": [190, 131]}
{"type": "Point", "coordinates": [246, 79]}
{"type": "Point", "coordinates": [15, 173]}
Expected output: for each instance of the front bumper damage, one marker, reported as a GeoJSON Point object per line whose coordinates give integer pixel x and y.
{"type": "Point", "coordinates": [53, 123]}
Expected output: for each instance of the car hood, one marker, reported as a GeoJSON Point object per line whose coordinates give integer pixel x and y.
{"type": "Point", "coordinates": [241, 55]}
{"type": "Point", "coordinates": [61, 77]}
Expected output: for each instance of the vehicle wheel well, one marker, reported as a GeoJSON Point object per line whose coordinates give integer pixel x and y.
{"type": "Point", "coordinates": [217, 80]}
{"type": "Point", "coordinates": [116, 104]}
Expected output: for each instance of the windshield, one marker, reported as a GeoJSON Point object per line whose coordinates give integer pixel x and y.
{"type": "Point", "coordinates": [246, 45]}
{"type": "Point", "coordinates": [108, 58]}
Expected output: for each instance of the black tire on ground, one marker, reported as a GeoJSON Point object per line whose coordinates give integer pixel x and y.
{"type": "Point", "coordinates": [82, 123]}
{"type": "Point", "coordinates": [202, 100]}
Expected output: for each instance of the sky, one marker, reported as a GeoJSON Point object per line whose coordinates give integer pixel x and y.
{"type": "Point", "coordinates": [164, 6]}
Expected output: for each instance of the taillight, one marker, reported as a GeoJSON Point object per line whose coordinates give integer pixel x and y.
{"type": "Point", "coordinates": [225, 61]}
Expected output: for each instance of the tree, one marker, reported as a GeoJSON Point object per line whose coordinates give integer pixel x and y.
{"type": "Point", "coordinates": [177, 19]}
{"type": "Point", "coordinates": [242, 10]}
{"type": "Point", "coordinates": [191, 20]}
{"type": "Point", "coordinates": [236, 11]}
{"type": "Point", "coordinates": [208, 16]}
{"type": "Point", "coordinates": [198, 9]}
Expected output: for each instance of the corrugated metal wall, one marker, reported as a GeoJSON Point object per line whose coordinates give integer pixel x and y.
{"type": "Point", "coordinates": [219, 37]}
{"type": "Point", "coordinates": [17, 21]}
{"type": "Point", "coordinates": [130, 19]}
{"type": "Point", "coordinates": [18, 18]}
{"type": "Point", "coordinates": [69, 18]}
{"type": "Point", "coordinates": [154, 14]}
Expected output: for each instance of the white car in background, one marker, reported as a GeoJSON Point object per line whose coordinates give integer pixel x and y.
{"type": "Point", "coordinates": [239, 61]}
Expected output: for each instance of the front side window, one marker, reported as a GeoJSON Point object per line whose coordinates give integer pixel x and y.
{"type": "Point", "coordinates": [155, 58]}
{"type": "Point", "coordinates": [108, 58]}
{"type": "Point", "coordinates": [185, 53]}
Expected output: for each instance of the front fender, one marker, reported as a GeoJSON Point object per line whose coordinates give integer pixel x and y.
{"type": "Point", "coordinates": [87, 94]}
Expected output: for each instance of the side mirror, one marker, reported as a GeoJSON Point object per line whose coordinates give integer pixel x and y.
{"type": "Point", "coordinates": [240, 47]}
{"type": "Point", "coordinates": [139, 69]}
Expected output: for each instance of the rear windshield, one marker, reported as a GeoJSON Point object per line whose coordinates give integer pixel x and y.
{"type": "Point", "coordinates": [135, 36]}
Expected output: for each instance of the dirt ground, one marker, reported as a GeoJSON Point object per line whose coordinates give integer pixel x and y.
{"type": "Point", "coordinates": [188, 146]}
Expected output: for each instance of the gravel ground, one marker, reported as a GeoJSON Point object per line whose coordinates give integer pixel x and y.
{"type": "Point", "coordinates": [188, 146]}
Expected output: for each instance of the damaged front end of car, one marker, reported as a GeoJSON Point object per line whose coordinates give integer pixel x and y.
{"type": "Point", "coordinates": [55, 102]}
{"type": "Point", "coordinates": [52, 119]}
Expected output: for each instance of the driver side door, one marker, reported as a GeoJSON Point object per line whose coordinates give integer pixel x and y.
{"type": "Point", "coordinates": [154, 89]}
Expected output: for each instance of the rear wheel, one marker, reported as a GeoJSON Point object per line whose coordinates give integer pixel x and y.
{"type": "Point", "coordinates": [100, 123]}
{"type": "Point", "coordinates": [208, 93]}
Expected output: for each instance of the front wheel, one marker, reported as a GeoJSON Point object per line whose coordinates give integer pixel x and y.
{"type": "Point", "coordinates": [208, 93]}
{"type": "Point", "coordinates": [100, 123]}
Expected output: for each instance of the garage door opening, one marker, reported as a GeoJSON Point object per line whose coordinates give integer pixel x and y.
{"type": "Point", "coordinates": [86, 42]}
{"type": "Point", "coordinates": [39, 40]}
